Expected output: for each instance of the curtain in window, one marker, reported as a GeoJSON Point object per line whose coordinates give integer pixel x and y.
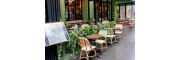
{"type": "Point", "coordinates": [53, 10]}
{"type": "Point", "coordinates": [51, 53]}
{"type": "Point", "coordinates": [52, 15]}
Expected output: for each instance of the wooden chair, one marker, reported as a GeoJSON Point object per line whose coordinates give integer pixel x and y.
{"type": "Point", "coordinates": [84, 25]}
{"type": "Point", "coordinates": [91, 23]}
{"type": "Point", "coordinates": [80, 24]}
{"type": "Point", "coordinates": [120, 21]}
{"type": "Point", "coordinates": [86, 46]}
{"type": "Point", "coordinates": [126, 22]}
{"type": "Point", "coordinates": [98, 23]}
{"type": "Point", "coordinates": [130, 23]}
{"type": "Point", "coordinates": [105, 22]}
{"type": "Point", "coordinates": [110, 34]}
{"type": "Point", "coordinates": [126, 18]}
{"type": "Point", "coordinates": [121, 18]}
{"type": "Point", "coordinates": [119, 32]}
{"type": "Point", "coordinates": [104, 33]}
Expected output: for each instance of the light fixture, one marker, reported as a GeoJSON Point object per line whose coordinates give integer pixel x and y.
{"type": "Point", "coordinates": [70, 1]}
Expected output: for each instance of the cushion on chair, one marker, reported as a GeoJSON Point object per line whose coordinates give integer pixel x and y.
{"type": "Point", "coordinates": [88, 48]}
{"type": "Point", "coordinates": [130, 23]}
{"type": "Point", "coordinates": [100, 41]}
{"type": "Point", "coordinates": [84, 25]}
{"type": "Point", "coordinates": [111, 35]}
{"type": "Point", "coordinates": [105, 22]}
{"type": "Point", "coordinates": [125, 21]}
{"type": "Point", "coordinates": [118, 32]}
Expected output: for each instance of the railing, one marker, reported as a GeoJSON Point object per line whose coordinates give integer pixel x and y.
{"type": "Point", "coordinates": [88, 22]}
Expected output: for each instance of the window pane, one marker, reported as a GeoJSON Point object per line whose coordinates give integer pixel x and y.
{"type": "Point", "coordinates": [78, 10]}
{"type": "Point", "coordinates": [73, 10]}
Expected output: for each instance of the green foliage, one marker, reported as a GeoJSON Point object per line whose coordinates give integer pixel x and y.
{"type": "Point", "coordinates": [73, 45]}
{"type": "Point", "coordinates": [113, 23]}
{"type": "Point", "coordinates": [59, 49]}
{"type": "Point", "coordinates": [114, 7]}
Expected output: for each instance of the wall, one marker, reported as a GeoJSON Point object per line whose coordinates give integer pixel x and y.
{"type": "Point", "coordinates": [91, 8]}
{"type": "Point", "coordinates": [63, 17]}
{"type": "Point", "coordinates": [85, 10]}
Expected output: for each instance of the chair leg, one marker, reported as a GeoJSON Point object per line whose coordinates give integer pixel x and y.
{"type": "Point", "coordinates": [115, 39]}
{"type": "Point", "coordinates": [101, 48]}
{"type": "Point", "coordinates": [106, 45]}
{"type": "Point", "coordinates": [111, 42]}
{"type": "Point", "coordinates": [87, 55]}
{"type": "Point", "coordinates": [80, 54]}
{"type": "Point", "coordinates": [95, 54]}
{"type": "Point", "coordinates": [120, 37]}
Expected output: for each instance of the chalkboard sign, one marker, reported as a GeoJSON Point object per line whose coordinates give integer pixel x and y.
{"type": "Point", "coordinates": [55, 33]}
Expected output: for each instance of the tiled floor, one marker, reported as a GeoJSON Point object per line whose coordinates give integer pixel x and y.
{"type": "Point", "coordinates": [125, 50]}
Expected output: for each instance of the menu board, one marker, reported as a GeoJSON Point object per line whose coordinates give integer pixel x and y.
{"type": "Point", "coordinates": [55, 33]}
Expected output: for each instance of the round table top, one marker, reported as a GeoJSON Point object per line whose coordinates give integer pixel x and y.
{"type": "Point", "coordinates": [114, 28]}
{"type": "Point", "coordinates": [94, 36]}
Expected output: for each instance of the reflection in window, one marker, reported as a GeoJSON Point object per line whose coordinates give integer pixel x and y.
{"type": "Point", "coordinates": [73, 10]}
{"type": "Point", "coordinates": [103, 7]}
{"type": "Point", "coordinates": [78, 10]}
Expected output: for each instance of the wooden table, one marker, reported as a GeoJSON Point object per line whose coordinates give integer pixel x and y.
{"type": "Point", "coordinates": [95, 36]}
{"type": "Point", "coordinates": [115, 28]}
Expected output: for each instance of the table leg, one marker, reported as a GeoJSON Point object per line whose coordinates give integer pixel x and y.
{"type": "Point", "coordinates": [97, 54]}
{"type": "Point", "coordinates": [115, 38]}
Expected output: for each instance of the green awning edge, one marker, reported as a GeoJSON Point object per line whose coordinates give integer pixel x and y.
{"type": "Point", "coordinates": [127, 3]}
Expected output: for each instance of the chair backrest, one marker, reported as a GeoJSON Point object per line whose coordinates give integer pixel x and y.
{"type": "Point", "coordinates": [118, 19]}
{"type": "Point", "coordinates": [75, 26]}
{"type": "Point", "coordinates": [103, 32]}
{"type": "Point", "coordinates": [98, 22]}
{"type": "Point", "coordinates": [126, 18]}
{"type": "Point", "coordinates": [105, 22]}
{"type": "Point", "coordinates": [121, 18]}
{"type": "Point", "coordinates": [83, 41]}
{"type": "Point", "coordinates": [130, 20]}
{"type": "Point", "coordinates": [119, 25]}
{"type": "Point", "coordinates": [109, 31]}
{"type": "Point", "coordinates": [91, 23]}
{"type": "Point", "coordinates": [84, 25]}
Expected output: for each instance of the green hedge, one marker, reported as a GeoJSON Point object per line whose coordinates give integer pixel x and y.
{"type": "Point", "coordinates": [73, 45]}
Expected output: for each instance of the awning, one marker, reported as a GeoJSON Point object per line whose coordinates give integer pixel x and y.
{"type": "Point", "coordinates": [126, 2]}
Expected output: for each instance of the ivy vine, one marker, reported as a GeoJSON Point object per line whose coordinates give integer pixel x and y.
{"type": "Point", "coordinates": [73, 46]}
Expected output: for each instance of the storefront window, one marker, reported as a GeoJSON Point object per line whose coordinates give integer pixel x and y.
{"type": "Point", "coordinates": [105, 9]}
{"type": "Point", "coordinates": [96, 15]}
{"type": "Point", "coordinates": [73, 10]}
{"type": "Point", "coordinates": [78, 10]}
